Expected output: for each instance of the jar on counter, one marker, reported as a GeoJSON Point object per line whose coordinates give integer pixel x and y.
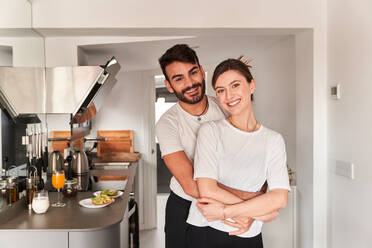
{"type": "Point", "coordinates": [3, 197]}
{"type": "Point", "coordinates": [70, 188]}
{"type": "Point", "coordinates": [12, 190]}
{"type": "Point", "coordinates": [30, 191]}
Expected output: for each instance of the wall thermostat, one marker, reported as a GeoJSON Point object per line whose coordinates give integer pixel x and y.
{"type": "Point", "coordinates": [335, 92]}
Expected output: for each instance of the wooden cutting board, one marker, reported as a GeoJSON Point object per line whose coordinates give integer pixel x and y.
{"type": "Point", "coordinates": [117, 141]}
{"type": "Point", "coordinates": [121, 157]}
{"type": "Point", "coordinates": [61, 145]}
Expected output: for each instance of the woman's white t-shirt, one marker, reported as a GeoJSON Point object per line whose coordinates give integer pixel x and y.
{"type": "Point", "coordinates": [239, 160]}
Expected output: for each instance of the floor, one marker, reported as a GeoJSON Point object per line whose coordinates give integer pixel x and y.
{"type": "Point", "coordinates": [155, 237]}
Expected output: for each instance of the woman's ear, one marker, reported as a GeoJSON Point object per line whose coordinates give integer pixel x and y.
{"type": "Point", "coordinates": [252, 86]}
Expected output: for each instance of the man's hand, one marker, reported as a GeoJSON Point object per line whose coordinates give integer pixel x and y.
{"type": "Point", "coordinates": [268, 217]}
{"type": "Point", "coordinates": [211, 209]}
{"type": "Point", "coordinates": [241, 223]}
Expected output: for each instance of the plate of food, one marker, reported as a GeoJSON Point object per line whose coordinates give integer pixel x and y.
{"type": "Point", "coordinates": [99, 201]}
{"type": "Point", "coordinates": [108, 192]}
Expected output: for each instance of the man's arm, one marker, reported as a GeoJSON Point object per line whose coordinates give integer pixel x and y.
{"type": "Point", "coordinates": [209, 187]}
{"type": "Point", "coordinates": [244, 195]}
{"type": "Point", "coordinates": [181, 168]}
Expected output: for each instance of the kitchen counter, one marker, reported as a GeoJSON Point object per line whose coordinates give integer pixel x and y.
{"type": "Point", "coordinates": [70, 226]}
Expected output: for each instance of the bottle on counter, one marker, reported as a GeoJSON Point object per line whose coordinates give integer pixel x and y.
{"type": "Point", "coordinates": [12, 190]}
{"type": "Point", "coordinates": [3, 196]}
{"type": "Point", "coordinates": [30, 191]}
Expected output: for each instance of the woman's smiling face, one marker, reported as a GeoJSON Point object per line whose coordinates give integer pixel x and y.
{"type": "Point", "coordinates": [234, 92]}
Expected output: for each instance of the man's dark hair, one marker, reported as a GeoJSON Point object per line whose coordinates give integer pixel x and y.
{"type": "Point", "coordinates": [180, 53]}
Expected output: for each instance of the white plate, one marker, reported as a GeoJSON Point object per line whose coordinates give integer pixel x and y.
{"type": "Point", "coordinates": [120, 193]}
{"type": "Point", "coordinates": [88, 204]}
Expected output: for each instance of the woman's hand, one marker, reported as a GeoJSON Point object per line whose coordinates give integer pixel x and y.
{"type": "Point", "coordinates": [241, 223]}
{"type": "Point", "coordinates": [211, 209]}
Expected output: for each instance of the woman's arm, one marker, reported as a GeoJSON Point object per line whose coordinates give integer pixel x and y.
{"type": "Point", "coordinates": [258, 206]}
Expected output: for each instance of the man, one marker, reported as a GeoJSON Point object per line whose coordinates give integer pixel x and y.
{"type": "Point", "coordinates": [177, 131]}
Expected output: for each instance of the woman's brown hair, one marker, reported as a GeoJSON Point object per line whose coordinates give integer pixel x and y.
{"type": "Point", "coordinates": [232, 64]}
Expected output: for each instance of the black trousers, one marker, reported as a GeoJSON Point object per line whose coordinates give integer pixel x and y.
{"type": "Point", "coordinates": [207, 237]}
{"type": "Point", "coordinates": [176, 212]}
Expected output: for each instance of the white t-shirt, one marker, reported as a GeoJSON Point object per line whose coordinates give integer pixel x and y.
{"type": "Point", "coordinates": [239, 160]}
{"type": "Point", "coordinates": [176, 131]}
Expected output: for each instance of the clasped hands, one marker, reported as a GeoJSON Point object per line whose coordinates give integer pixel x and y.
{"type": "Point", "coordinates": [214, 210]}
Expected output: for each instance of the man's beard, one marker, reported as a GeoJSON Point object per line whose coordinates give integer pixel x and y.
{"type": "Point", "coordinates": [195, 99]}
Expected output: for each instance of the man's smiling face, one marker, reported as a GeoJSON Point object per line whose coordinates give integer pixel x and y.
{"type": "Point", "coordinates": [186, 81]}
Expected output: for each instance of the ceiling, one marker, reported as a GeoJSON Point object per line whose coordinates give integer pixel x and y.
{"type": "Point", "coordinates": [211, 49]}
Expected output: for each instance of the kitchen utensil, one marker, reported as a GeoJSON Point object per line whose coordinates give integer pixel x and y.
{"type": "Point", "coordinates": [30, 191]}
{"type": "Point", "coordinates": [55, 162]}
{"type": "Point", "coordinates": [80, 163]}
{"type": "Point", "coordinates": [80, 168]}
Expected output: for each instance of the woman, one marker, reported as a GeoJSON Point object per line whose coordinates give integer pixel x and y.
{"type": "Point", "coordinates": [240, 153]}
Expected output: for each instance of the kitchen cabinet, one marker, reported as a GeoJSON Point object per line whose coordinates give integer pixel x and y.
{"type": "Point", "coordinates": [281, 233]}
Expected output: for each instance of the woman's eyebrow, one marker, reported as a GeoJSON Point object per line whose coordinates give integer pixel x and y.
{"type": "Point", "coordinates": [236, 80]}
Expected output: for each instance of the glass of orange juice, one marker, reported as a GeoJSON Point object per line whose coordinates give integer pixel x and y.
{"type": "Point", "coordinates": [58, 180]}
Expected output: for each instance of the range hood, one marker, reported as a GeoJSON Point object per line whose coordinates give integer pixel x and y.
{"type": "Point", "coordinates": [57, 90]}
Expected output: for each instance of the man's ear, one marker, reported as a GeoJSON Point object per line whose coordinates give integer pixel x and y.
{"type": "Point", "coordinates": [252, 86]}
{"type": "Point", "coordinates": [202, 70]}
{"type": "Point", "coordinates": [168, 85]}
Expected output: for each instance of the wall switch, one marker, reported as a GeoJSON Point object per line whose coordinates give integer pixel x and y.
{"type": "Point", "coordinates": [335, 92]}
{"type": "Point", "coordinates": [345, 169]}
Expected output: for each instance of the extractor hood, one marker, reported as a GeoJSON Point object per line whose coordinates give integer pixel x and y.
{"type": "Point", "coordinates": [57, 90]}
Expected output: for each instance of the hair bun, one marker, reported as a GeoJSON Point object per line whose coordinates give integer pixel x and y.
{"type": "Point", "coordinates": [245, 60]}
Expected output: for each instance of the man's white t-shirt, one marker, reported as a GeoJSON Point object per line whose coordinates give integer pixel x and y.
{"type": "Point", "coordinates": [176, 131]}
{"type": "Point", "coordinates": [239, 160]}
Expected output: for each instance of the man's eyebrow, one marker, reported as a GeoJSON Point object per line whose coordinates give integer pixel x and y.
{"type": "Point", "coordinates": [195, 67]}
{"type": "Point", "coordinates": [177, 75]}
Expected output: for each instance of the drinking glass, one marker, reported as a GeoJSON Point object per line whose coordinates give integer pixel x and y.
{"type": "Point", "coordinates": [40, 202]}
{"type": "Point", "coordinates": [58, 180]}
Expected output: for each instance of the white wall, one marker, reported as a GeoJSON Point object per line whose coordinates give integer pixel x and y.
{"type": "Point", "coordinates": [350, 121]}
{"type": "Point", "coordinates": [304, 137]}
{"type": "Point", "coordinates": [15, 14]}
{"type": "Point", "coordinates": [274, 103]}
{"type": "Point", "coordinates": [6, 56]}
{"type": "Point", "coordinates": [167, 14]}
{"type": "Point", "coordinates": [27, 51]}
{"type": "Point", "coordinates": [65, 51]}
